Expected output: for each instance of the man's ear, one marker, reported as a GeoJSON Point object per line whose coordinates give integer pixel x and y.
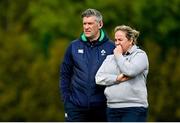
{"type": "Point", "coordinates": [100, 24]}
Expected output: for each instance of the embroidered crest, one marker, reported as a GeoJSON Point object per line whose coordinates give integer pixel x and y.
{"type": "Point", "coordinates": [103, 52]}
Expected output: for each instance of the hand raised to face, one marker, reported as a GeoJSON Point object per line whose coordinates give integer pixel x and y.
{"type": "Point", "coordinates": [118, 50]}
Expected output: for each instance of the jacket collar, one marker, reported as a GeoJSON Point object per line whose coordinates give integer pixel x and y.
{"type": "Point", "coordinates": [100, 39]}
{"type": "Point", "coordinates": [132, 49]}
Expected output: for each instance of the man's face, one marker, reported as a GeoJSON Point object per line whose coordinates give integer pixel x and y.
{"type": "Point", "coordinates": [91, 27]}
{"type": "Point", "coordinates": [121, 39]}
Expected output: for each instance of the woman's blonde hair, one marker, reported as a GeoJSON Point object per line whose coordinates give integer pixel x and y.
{"type": "Point", "coordinates": [131, 34]}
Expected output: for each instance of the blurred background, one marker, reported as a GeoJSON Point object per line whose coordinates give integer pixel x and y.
{"type": "Point", "coordinates": [34, 35]}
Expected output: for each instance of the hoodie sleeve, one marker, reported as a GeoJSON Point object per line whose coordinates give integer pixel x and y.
{"type": "Point", "coordinates": [104, 76]}
{"type": "Point", "coordinates": [66, 74]}
{"type": "Point", "coordinates": [133, 67]}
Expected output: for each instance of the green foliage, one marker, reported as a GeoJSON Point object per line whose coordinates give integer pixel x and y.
{"type": "Point", "coordinates": [163, 83]}
{"type": "Point", "coordinates": [34, 35]}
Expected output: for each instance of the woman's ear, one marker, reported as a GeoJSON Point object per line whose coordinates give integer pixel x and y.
{"type": "Point", "coordinates": [131, 42]}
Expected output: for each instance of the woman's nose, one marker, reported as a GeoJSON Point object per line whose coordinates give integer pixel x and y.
{"type": "Point", "coordinates": [116, 43]}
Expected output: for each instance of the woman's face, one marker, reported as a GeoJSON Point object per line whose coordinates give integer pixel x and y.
{"type": "Point", "coordinates": [121, 39]}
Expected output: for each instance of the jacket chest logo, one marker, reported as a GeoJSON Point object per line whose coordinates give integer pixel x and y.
{"type": "Point", "coordinates": [103, 52]}
{"type": "Point", "coordinates": [81, 51]}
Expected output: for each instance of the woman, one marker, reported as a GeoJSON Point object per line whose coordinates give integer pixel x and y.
{"type": "Point", "coordinates": [124, 73]}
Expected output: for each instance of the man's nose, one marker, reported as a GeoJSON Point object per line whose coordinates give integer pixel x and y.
{"type": "Point", "coordinates": [86, 26]}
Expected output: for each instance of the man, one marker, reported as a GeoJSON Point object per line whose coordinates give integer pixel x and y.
{"type": "Point", "coordinates": [83, 99]}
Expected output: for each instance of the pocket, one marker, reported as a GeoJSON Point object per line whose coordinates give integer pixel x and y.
{"type": "Point", "coordinates": [68, 105]}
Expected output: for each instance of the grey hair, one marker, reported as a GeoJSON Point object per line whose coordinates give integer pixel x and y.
{"type": "Point", "coordinates": [92, 12]}
{"type": "Point", "coordinates": [131, 34]}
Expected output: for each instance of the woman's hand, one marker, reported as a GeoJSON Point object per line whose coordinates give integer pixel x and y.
{"type": "Point", "coordinates": [118, 50]}
{"type": "Point", "coordinates": [121, 78]}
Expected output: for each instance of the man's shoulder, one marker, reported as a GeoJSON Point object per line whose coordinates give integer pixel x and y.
{"type": "Point", "coordinates": [109, 44]}
{"type": "Point", "coordinates": [75, 41]}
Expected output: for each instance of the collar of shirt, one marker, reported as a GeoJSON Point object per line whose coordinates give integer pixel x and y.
{"type": "Point", "coordinates": [131, 50]}
{"type": "Point", "coordinates": [92, 43]}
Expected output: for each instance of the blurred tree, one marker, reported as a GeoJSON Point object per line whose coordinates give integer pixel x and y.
{"type": "Point", "coordinates": [29, 82]}
{"type": "Point", "coordinates": [163, 84]}
{"type": "Point", "coordinates": [16, 55]}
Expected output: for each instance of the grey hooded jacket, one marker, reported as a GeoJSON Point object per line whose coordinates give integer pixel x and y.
{"type": "Point", "coordinates": [130, 93]}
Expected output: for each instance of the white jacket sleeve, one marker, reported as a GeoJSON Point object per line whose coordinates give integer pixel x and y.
{"type": "Point", "coordinates": [105, 75]}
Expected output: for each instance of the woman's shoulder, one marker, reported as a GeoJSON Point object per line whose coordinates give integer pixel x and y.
{"type": "Point", "coordinates": [110, 57]}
